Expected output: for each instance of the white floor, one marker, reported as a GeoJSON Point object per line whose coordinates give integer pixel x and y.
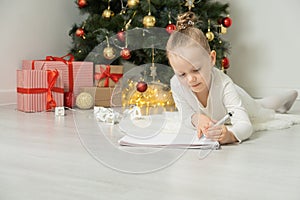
{"type": "Point", "coordinates": [48, 157]}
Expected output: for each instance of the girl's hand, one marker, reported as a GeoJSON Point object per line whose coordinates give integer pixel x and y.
{"type": "Point", "coordinates": [221, 134]}
{"type": "Point", "coordinates": [214, 132]}
{"type": "Point", "coordinates": [202, 123]}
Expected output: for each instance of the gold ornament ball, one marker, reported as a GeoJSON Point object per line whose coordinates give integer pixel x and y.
{"type": "Point", "coordinates": [132, 3]}
{"type": "Point", "coordinates": [210, 36]}
{"type": "Point", "coordinates": [109, 53]}
{"type": "Point", "coordinates": [149, 21]}
{"type": "Point", "coordinates": [107, 13]}
{"type": "Point", "coordinates": [84, 101]}
{"type": "Point", "coordinates": [222, 29]}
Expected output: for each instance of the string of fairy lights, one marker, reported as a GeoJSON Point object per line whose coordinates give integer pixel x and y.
{"type": "Point", "coordinates": [152, 93]}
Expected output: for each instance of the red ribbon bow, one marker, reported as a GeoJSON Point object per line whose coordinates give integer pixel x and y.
{"type": "Point", "coordinates": [105, 74]}
{"type": "Point", "coordinates": [52, 76]}
{"type": "Point", "coordinates": [68, 96]}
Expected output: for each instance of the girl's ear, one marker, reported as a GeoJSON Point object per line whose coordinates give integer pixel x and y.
{"type": "Point", "coordinates": [213, 57]}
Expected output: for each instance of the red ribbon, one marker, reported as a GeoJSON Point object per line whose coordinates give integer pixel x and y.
{"type": "Point", "coordinates": [68, 97]}
{"type": "Point", "coordinates": [52, 76]}
{"type": "Point", "coordinates": [105, 74]}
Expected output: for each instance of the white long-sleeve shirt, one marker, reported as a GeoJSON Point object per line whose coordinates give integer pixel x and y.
{"type": "Point", "coordinates": [224, 96]}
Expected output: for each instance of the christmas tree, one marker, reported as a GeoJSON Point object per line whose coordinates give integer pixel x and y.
{"type": "Point", "coordinates": [134, 33]}
{"type": "Point", "coordinates": [118, 31]}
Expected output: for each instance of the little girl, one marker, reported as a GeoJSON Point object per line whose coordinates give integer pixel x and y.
{"type": "Point", "coordinates": [204, 94]}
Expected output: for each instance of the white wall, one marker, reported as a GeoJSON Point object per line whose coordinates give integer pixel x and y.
{"type": "Point", "coordinates": [31, 29]}
{"type": "Point", "coordinates": [265, 42]}
{"type": "Point", "coordinates": [264, 36]}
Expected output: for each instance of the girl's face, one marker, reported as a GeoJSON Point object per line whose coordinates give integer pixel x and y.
{"type": "Point", "coordinates": [193, 67]}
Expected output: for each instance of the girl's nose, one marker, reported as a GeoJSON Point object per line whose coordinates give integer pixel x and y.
{"type": "Point", "coordinates": [191, 78]}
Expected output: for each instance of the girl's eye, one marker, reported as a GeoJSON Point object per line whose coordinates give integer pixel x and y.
{"type": "Point", "coordinates": [197, 70]}
{"type": "Point", "coordinates": [181, 75]}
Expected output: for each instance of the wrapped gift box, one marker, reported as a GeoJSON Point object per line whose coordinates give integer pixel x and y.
{"type": "Point", "coordinates": [75, 74]}
{"type": "Point", "coordinates": [107, 75]}
{"type": "Point", "coordinates": [39, 90]}
{"type": "Point", "coordinates": [103, 96]}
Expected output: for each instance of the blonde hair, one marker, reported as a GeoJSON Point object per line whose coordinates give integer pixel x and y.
{"type": "Point", "coordinates": [186, 34]}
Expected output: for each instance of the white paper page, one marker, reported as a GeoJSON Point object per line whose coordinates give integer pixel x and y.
{"type": "Point", "coordinates": [162, 131]}
{"type": "Point", "coordinates": [170, 140]}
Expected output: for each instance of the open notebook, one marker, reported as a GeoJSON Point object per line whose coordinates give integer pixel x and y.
{"type": "Point", "coordinates": [162, 131]}
{"type": "Point", "coordinates": [170, 140]}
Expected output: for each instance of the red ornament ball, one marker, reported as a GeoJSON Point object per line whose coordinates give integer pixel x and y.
{"type": "Point", "coordinates": [226, 22]}
{"type": "Point", "coordinates": [81, 3]}
{"type": "Point", "coordinates": [125, 54]}
{"type": "Point", "coordinates": [141, 86]}
{"type": "Point", "coordinates": [170, 28]}
{"type": "Point", "coordinates": [79, 32]}
{"type": "Point", "coordinates": [225, 63]}
{"type": "Point", "coordinates": [121, 36]}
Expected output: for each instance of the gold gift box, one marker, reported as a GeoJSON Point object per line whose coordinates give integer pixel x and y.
{"type": "Point", "coordinates": [114, 71]}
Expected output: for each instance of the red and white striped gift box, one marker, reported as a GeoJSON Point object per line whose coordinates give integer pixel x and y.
{"type": "Point", "coordinates": [75, 74]}
{"type": "Point", "coordinates": [39, 90]}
